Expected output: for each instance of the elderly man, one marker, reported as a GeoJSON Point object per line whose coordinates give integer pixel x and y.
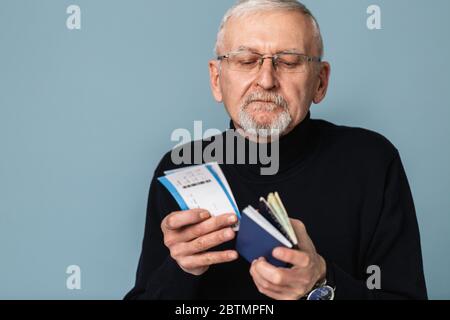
{"type": "Point", "coordinates": [344, 188]}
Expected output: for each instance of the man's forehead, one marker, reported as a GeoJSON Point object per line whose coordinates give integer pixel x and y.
{"type": "Point", "coordinates": [268, 31]}
{"type": "Point", "coordinates": [256, 49]}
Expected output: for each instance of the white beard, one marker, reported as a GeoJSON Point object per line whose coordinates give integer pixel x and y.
{"type": "Point", "coordinates": [275, 128]}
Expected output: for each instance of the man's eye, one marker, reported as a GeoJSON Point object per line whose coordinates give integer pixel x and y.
{"type": "Point", "coordinates": [247, 61]}
{"type": "Point", "coordinates": [289, 64]}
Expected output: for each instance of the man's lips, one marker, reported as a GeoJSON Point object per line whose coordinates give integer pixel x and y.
{"type": "Point", "coordinates": [276, 106]}
{"type": "Point", "coordinates": [266, 101]}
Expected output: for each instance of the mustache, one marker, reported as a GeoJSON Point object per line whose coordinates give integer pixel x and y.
{"type": "Point", "coordinates": [271, 97]}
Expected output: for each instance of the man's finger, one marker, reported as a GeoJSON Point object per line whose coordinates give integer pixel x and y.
{"type": "Point", "coordinates": [304, 241]}
{"type": "Point", "coordinates": [179, 219]}
{"type": "Point", "coordinates": [208, 241]}
{"type": "Point", "coordinates": [209, 225]}
{"type": "Point", "coordinates": [261, 282]}
{"type": "Point", "coordinates": [272, 274]}
{"type": "Point", "coordinates": [294, 257]}
{"type": "Point", "coordinates": [265, 287]}
{"type": "Point", "coordinates": [209, 258]}
{"type": "Point", "coordinates": [270, 293]}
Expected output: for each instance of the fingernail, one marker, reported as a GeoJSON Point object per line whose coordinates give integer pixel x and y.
{"type": "Point", "coordinates": [204, 214]}
{"type": "Point", "coordinates": [228, 233]}
{"type": "Point", "coordinates": [276, 252]}
{"type": "Point", "coordinates": [232, 255]}
{"type": "Point", "coordinates": [232, 219]}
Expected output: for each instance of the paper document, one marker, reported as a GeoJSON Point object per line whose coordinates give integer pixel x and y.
{"type": "Point", "coordinates": [202, 186]}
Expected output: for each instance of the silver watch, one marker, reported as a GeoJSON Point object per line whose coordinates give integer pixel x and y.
{"type": "Point", "coordinates": [321, 292]}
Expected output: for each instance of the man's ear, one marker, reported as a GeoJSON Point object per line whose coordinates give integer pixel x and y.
{"type": "Point", "coordinates": [322, 86]}
{"type": "Point", "coordinates": [214, 79]}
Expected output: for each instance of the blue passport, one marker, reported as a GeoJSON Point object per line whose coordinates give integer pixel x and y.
{"type": "Point", "coordinates": [262, 231]}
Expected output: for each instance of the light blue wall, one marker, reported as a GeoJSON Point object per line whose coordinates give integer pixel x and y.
{"type": "Point", "coordinates": [85, 116]}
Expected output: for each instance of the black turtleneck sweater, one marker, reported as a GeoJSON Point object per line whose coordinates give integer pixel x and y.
{"type": "Point", "coordinates": [349, 188]}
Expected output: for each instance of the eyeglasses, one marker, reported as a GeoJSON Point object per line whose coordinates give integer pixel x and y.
{"type": "Point", "coordinates": [251, 62]}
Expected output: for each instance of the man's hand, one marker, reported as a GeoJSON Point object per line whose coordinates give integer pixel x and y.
{"type": "Point", "coordinates": [307, 269]}
{"type": "Point", "coordinates": [188, 234]}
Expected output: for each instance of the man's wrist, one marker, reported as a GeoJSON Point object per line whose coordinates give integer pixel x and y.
{"type": "Point", "coordinates": [322, 272]}
{"type": "Point", "coordinates": [321, 278]}
{"type": "Point", "coordinates": [321, 290]}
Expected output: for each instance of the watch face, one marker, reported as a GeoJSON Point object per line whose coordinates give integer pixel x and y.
{"type": "Point", "coordinates": [322, 293]}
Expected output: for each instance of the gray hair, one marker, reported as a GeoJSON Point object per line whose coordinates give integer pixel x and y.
{"type": "Point", "coordinates": [243, 7]}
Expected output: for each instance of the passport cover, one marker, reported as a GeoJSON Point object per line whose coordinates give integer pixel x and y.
{"type": "Point", "coordinates": [253, 242]}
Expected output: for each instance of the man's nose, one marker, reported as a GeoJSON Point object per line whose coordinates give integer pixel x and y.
{"type": "Point", "coordinates": [267, 77]}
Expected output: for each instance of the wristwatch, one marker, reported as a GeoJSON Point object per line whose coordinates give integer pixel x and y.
{"type": "Point", "coordinates": [321, 292]}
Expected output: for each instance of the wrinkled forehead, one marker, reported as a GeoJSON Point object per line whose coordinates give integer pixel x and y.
{"type": "Point", "coordinates": [269, 32]}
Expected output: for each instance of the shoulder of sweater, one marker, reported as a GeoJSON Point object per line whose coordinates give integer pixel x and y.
{"type": "Point", "coordinates": [356, 140]}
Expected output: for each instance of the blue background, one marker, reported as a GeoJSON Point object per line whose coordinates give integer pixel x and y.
{"type": "Point", "coordinates": [85, 115]}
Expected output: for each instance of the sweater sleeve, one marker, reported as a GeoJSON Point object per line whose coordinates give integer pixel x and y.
{"type": "Point", "coordinates": [158, 275]}
{"type": "Point", "coordinates": [394, 247]}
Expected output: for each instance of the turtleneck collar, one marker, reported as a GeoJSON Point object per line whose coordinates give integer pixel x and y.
{"type": "Point", "coordinates": [293, 147]}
